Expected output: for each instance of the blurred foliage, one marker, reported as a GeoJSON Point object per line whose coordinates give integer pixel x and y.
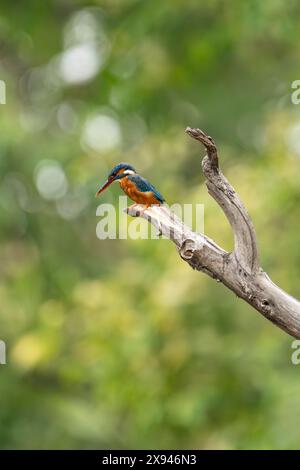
{"type": "Point", "coordinates": [117, 343]}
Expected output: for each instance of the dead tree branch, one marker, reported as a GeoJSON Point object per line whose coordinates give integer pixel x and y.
{"type": "Point", "coordinates": [239, 270]}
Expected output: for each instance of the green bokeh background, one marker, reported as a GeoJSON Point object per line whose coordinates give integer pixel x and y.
{"type": "Point", "coordinates": [118, 343]}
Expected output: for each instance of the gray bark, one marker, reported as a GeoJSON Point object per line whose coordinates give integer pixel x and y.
{"type": "Point", "coordinates": [238, 270]}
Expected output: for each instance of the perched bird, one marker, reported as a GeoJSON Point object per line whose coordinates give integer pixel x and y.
{"type": "Point", "coordinates": [134, 185]}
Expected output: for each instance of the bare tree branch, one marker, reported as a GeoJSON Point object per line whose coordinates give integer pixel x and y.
{"type": "Point", "coordinates": [245, 246]}
{"type": "Point", "coordinates": [239, 270]}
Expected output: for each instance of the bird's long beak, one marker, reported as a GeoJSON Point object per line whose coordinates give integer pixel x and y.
{"type": "Point", "coordinates": [104, 186]}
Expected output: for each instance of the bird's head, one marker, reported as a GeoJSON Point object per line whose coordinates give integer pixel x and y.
{"type": "Point", "coordinates": [118, 172]}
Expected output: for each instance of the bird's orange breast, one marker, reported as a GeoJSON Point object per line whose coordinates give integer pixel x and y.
{"type": "Point", "coordinates": [140, 197]}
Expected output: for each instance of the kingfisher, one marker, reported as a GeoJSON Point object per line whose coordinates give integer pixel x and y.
{"type": "Point", "coordinates": [135, 186]}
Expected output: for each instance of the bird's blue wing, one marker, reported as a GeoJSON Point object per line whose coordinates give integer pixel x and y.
{"type": "Point", "coordinates": [144, 186]}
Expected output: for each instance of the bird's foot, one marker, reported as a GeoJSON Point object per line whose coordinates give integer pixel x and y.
{"type": "Point", "coordinates": [139, 213]}
{"type": "Point", "coordinates": [143, 210]}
